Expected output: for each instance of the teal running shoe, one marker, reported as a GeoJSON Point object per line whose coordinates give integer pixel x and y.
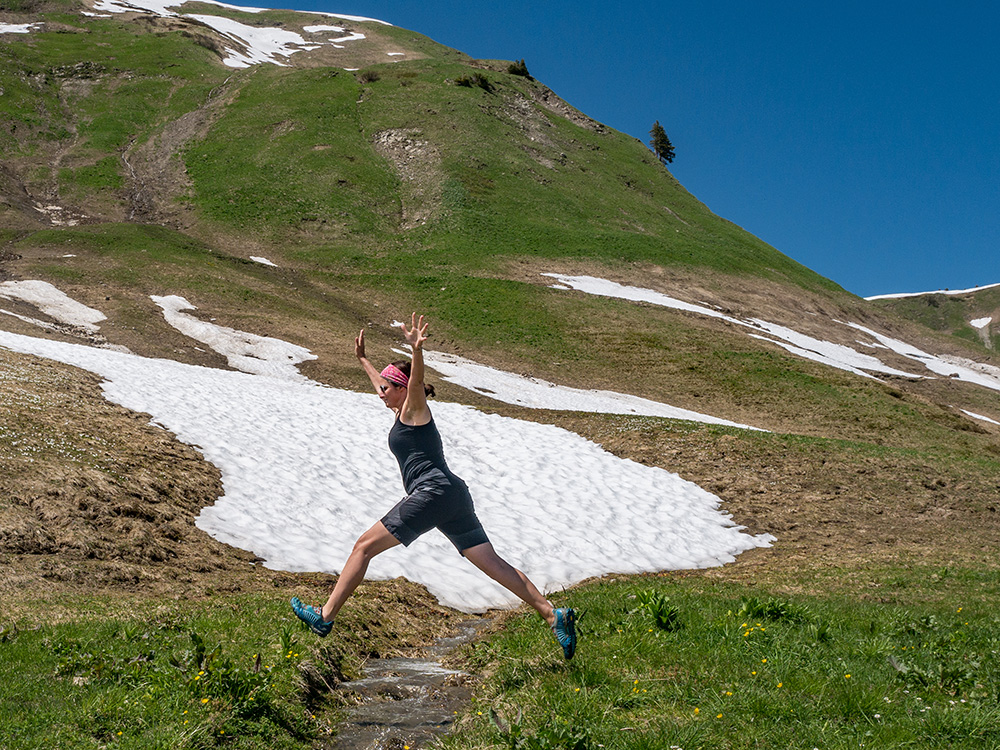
{"type": "Point", "coordinates": [311, 617]}
{"type": "Point", "coordinates": [565, 630]}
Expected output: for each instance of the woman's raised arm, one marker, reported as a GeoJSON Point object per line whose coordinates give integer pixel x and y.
{"type": "Point", "coordinates": [359, 351]}
{"type": "Point", "coordinates": [415, 410]}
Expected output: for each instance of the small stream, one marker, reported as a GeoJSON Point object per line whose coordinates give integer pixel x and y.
{"type": "Point", "coordinates": [407, 702]}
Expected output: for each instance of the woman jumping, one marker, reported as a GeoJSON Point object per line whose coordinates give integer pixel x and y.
{"type": "Point", "coordinates": [436, 498]}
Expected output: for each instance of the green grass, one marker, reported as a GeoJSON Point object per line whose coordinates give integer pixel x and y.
{"type": "Point", "coordinates": [289, 151]}
{"type": "Point", "coordinates": [724, 669]}
{"type": "Point", "coordinates": [663, 660]}
{"type": "Point", "coordinates": [132, 246]}
{"type": "Point", "coordinates": [144, 257]}
{"type": "Point", "coordinates": [100, 176]}
{"type": "Point", "coordinates": [185, 677]}
{"type": "Point", "coordinates": [539, 185]}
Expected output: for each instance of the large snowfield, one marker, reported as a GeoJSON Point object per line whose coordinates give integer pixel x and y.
{"type": "Point", "coordinates": [306, 469]}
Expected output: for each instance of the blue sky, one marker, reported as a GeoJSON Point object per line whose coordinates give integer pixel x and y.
{"type": "Point", "coordinates": [861, 139]}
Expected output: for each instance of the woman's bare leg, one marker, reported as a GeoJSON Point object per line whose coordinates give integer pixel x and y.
{"type": "Point", "coordinates": [484, 557]}
{"type": "Point", "coordinates": [373, 542]}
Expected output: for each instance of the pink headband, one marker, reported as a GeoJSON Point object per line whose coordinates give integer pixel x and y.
{"type": "Point", "coordinates": [394, 374]}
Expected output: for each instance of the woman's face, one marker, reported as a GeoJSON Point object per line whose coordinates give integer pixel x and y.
{"type": "Point", "coordinates": [392, 395]}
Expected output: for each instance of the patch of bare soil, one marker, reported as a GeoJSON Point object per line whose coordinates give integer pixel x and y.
{"type": "Point", "coordinates": [92, 494]}
{"type": "Point", "coordinates": [17, 206]}
{"type": "Point", "coordinates": [548, 99]}
{"type": "Point", "coordinates": [418, 164]}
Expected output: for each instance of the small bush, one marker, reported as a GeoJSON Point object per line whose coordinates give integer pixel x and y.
{"type": "Point", "coordinates": [666, 615]}
{"type": "Point", "coordinates": [519, 69]}
{"type": "Point", "coordinates": [556, 734]}
{"type": "Point", "coordinates": [368, 76]}
{"type": "Point", "coordinates": [774, 609]}
{"type": "Point", "coordinates": [476, 79]}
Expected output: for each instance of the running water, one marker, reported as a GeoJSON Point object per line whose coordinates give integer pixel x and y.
{"type": "Point", "coordinates": [407, 702]}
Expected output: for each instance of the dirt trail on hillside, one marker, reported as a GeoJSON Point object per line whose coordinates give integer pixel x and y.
{"type": "Point", "coordinates": [418, 165]}
{"type": "Point", "coordinates": [157, 175]}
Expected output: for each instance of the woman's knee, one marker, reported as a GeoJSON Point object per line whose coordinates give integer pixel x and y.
{"type": "Point", "coordinates": [486, 559]}
{"type": "Point", "coordinates": [374, 541]}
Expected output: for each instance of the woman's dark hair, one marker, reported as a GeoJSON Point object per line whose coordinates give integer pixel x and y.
{"type": "Point", "coordinates": [404, 367]}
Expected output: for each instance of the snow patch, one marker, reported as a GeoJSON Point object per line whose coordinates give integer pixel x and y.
{"type": "Point", "coordinates": [17, 28]}
{"type": "Point", "coordinates": [262, 261]}
{"type": "Point", "coordinates": [160, 7]}
{"type": "Point", "coordinates": [263, 45]}
{"type": "Point", "coordinates": [958, 368]}
{"type": "Point", "coordinates": [254, 44]}
{"type": "Point", "coordinates": [306, 470]}
{"type": "Point", "coordinates": [980, 417]}
{"type": "Point", "coordinates": [349, 38]}
{"type": "Point", "coordinates": [247, 352]}
{"type": "Point", "coordinates": [541, 394]}
{"type": "Point", "coordinates": [54, 303]}
{"type": "Point", "coordinates": [980, 322]}
{"type": "Point", "coordinates": [939, 291]}
{"type": "Point", "coordinates": [826, 352]}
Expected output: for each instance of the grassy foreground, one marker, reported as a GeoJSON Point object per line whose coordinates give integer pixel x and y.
{"type": "Point", "coordinates": [665, 661]}
{"type": "Point", "coordinates": [685, 662]}
{"type": "Point", "coordinates": [232, 670]}
{"type": "Point", "coordinates": [173, 679]}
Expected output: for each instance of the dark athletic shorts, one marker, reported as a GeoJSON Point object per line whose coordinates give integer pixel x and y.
{"type": "Point", "coordinates": [439, 504]}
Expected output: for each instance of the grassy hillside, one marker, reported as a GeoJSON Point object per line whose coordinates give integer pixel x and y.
{"type": "Point", "coordinates": [134, 163]}
{"type": "Point", "coordinates": [954, 314]}
{"type": "Point", "coordinates": [296, 157]}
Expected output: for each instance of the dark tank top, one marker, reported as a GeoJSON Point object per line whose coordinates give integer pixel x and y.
{"type": "Point", "coordinates": [420, 455]}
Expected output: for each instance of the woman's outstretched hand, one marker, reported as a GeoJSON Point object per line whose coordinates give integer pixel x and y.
{"type": "Point", "coordinates": [359, 345]}
{"type": "Point", "coordinates": [416, 334]}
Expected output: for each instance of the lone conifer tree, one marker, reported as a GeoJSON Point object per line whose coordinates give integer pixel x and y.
{"type": "Point", "coordinates": [662, 147]}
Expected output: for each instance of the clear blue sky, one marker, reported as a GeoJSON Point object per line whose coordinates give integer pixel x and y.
{"type": "Point", "coordinates": [861, 139]}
